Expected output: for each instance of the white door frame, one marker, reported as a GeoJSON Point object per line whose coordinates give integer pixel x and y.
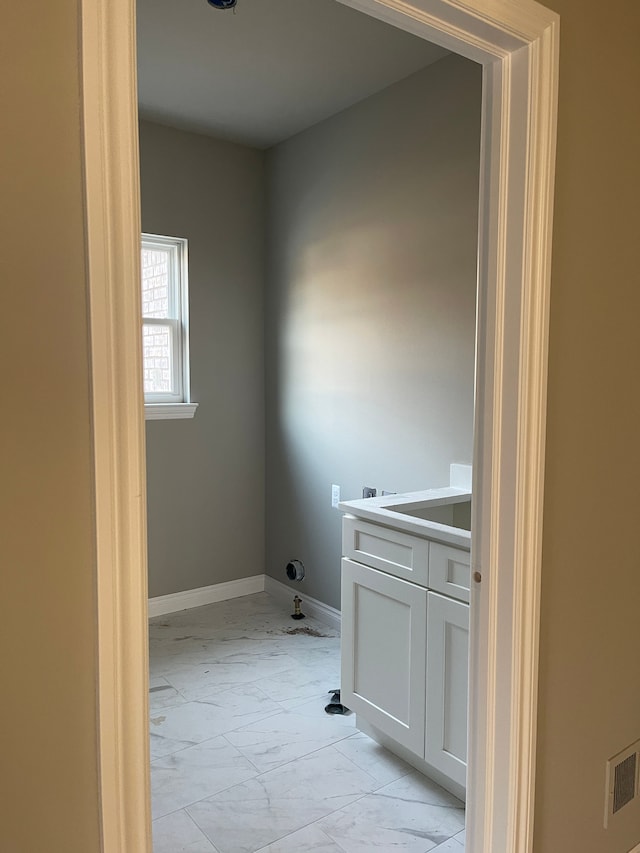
{"type": "Point", "coordinates": [516, 41]}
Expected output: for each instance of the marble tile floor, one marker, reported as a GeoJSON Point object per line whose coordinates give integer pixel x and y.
{"type": "Point", "coordinates": [245, 759]}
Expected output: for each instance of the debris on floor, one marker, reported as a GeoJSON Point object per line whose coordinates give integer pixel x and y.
{"type": "Point", "coordinates": [309, 632]}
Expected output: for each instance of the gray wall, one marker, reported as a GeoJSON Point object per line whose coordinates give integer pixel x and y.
{"type": "Point", "coordinates": [370, 310]}
{"type": "Point", "coordinates": [206, 475]}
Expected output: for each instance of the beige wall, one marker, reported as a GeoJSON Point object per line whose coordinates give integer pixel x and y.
{"type": "Point", "coordinates": [590, 655]}
{"type": "Point", "coordinates": [205, 477]}
{"type": "Point", "coordinates": [48, 761]}
{"type": "Point", "coordinates": [370, 322]}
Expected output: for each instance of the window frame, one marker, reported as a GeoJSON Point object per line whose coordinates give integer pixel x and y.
{"type": "Point", "coordinates": [177, 403]}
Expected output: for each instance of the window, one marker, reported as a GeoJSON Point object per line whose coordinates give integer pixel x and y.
{"type": "Point", "coordinates": [165, 328]}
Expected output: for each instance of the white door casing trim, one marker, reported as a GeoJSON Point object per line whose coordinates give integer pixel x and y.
{"type": "Point", "coordinates": [517, 43]}
{"type": "Point", "coordinates": [112, 213]}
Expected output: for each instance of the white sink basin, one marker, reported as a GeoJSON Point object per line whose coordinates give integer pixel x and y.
{"type": "Point", "coordinates": [455, 514]}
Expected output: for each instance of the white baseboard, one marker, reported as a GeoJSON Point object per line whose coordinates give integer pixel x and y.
{"type": "Point", "coordinates": [310, 606]}
{"type": "Point", "coordinates": [176, 601]}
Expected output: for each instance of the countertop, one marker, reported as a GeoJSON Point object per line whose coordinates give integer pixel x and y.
{"type": "Point", "coordinates": [377, 511]}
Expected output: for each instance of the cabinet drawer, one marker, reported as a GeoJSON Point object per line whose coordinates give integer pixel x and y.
{"type": "Point", "coordinates": [388, 550]}
{"type": "Point", "coordinates": [449, 571]}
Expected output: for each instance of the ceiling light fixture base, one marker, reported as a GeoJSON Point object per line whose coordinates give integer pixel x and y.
{"type": "Point", "coordinates": [222, 4]}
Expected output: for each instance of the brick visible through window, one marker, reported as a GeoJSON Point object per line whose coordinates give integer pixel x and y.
{"type": "Point", "coordinates": [164, 319]}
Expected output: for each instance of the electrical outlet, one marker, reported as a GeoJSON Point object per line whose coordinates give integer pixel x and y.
{"type": "Point", "coordinates": [368, 492]}
{"type": "Point", "coordinates": [335, 496]}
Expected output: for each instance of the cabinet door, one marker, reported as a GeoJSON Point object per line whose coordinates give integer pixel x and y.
{"type": "Point", "coordinates": [383, 652]}
{"type": "Point", "coordinates": [447, 686]}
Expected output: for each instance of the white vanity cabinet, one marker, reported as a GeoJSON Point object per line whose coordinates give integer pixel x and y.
{"type": "Point", "coordinates": [383, 652]}
{"type": "Point", "coordinates": [405, 641]}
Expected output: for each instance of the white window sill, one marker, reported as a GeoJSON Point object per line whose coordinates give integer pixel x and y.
{"type": "Point", "coordinates": [168, 411]}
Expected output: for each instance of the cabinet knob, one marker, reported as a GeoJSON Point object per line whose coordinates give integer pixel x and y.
{"type": "Point", "coordinates": [477, 577]}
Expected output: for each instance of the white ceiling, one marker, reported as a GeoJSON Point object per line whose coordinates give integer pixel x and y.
{"type": "Point", "coordinates": [268, 69]}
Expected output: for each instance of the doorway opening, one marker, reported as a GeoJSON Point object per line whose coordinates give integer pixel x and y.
{"type": "Point", "coordinates": [369, 278]}
{"type": "Point", "coordinates": [518, 49]}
